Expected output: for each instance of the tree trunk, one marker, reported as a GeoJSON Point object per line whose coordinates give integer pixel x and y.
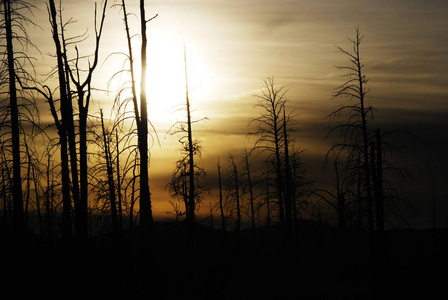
{"type": "Point", "coordinates": [66, 202]}
{"type": "Point", "coordinates": [83, 91]}
{"type": "Point", "coordinates": [110, 178]}
{"type": "Point", "coordinates": [251, 194]}
{"type": "Point", "coordinates": [268, 202]}
{"type": "Point", "coordinates": [67, 111]}
{"type": "Point", "coordinates": [81, 210]}
{"type": "Point", "coordinates": [146, 218]}
{"type": "Point", "coordinates": [192, 193]}
{"type": "Point", "coordinates": [237, 198]}
{"type": "Point", "coordinates": [63, 131]}
{"type": "Point", "coordinates": [279, 175]}
{"type": "Point", "coordinates": [365, 138]}
{"type": "Point", "coordinates": [341, 201]}
{"type": "Point", "coordinates": [380, 199]}
{"type": "Point", "coordinates": [120, 205]}
{"type": "Point", "coordinates": [48, 206]}
{"type": "Point", "coordinates": [288, 188]}
{"type": "Point", "coordinates": [221, 209]}
{"type": "Point", "coordinates": [379, 186]}
{"type": "Point", "coordinates": [18, 213]}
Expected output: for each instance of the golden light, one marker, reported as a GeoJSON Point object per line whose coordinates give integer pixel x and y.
{"type": "Point", "coordinates": [165, 79]}
{"type": "Point", "coordinates": [166, 90]}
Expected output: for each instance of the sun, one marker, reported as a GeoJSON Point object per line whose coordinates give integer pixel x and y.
{"type": "Point", "coordinates": [166, 80]}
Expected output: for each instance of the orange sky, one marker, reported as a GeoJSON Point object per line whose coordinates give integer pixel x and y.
{"type": "Point", "coordinates": [232, 45]}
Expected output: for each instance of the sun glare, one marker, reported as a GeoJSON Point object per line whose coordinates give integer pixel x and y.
{"type": "Point", "coordinates": [165, 79]}
{"type": "Point", "coordinates": [165, 83]}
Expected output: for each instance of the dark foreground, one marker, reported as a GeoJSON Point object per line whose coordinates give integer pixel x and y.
{"type": "Point", "coordinates": [319, 264]}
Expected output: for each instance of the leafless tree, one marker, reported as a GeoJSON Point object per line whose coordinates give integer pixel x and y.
{"type": "Point", "coordinates": [269, 133]}
{"type": "Point", "coordinates": [106, 137]}
{"type": "Point", "coordinates": [221, 203]}
{"type": "Point", "coordinates": [83, 90]}
{"type": "Point", "coordinates": [64, 123]}
{"type": "Point", "coordinates": [179, 186]}
{"type": "Point", "coordinates": [190, 150]}
{"type": "Point", "coordinates": [248, 187]}
{"type": "Point", "coordinates": [140, 118]}
{"type": "Point", "coordinates": [355, 131]}
{"type": "Point", "coordinates": [18, 104]}
{"type": "Point", "coordinates": [233, 197]}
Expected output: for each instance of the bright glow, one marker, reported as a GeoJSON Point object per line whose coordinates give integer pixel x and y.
{"type": "Point", "coordinates": [166, 78]}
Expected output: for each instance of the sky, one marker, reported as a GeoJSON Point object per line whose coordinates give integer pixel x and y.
{"type": "Point", "coordinates": [232, 46]}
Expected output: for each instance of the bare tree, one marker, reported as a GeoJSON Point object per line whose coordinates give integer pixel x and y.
{"type": "Point", "coordinates": [64, 123]}
{"type": "Point", "coordinates": [269, 133]}
{"type": "Point", "coordinates": [110, 175]}
{"type": "Point", "coordinates": [141, 120]}
{"type": "Point", "coordinates": [179, 186]}
{"type": "Point", "coordinates": [83, 93]}
{"type": "Point", "coordinates": [14, 68]}
{"type": "Point", "coordinates": [190, 149]}
{"type": "Point", "coordinates": [355, 131]}
{"type": "Point", "coordinates": [221, 203]}
{"type": "Point", "coordinates": [248, 184]}
{"type": "Point", "coordinates": [146, 218]}
{"type": "Point", "coordinates": [233, 192]}
{"type": "Point", "coordinates": [17, 177]}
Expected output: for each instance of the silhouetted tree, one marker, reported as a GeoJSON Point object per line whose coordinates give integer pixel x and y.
{"type": "Point", "coordinates": [49, 193]}
{"type": "Point", "coordinates": [6, 186]}
{"type": "Point", "coordinates": [46, 92]}
{"type": "Point", "coordinates": [233, 192]}
{"type": "Point", "coordinates": [179, 186]}
{"type": "Point", "coordinates": [64, 123]}
{"type": "Point", "coordinates": [119, 184]}
{"type": "Point", "coordinates": [269, 133]}
{"type": "Point", "coordinates": [83, 91]}
{"type": "Point", "coordinates": [340, 198]}
{"type": "Point", "coordinates": [187, 171]}
{"type": "Point", "coordinates": [110, 176]}
{"type": "Point", "coordinates": [355, 131]}
{"type": "Point", "coordinates": [18, 105]}
{"type": "Point", "coordinates": [141, 121]}
{"type": "Point", "coordinates": [221, 203]}
{"type": "Point", "coordinates": [249, 185]}
{"type": "Point", "coordinates": [146, 218]}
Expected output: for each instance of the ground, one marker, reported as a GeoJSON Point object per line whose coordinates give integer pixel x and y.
{"type": "Point", "coordinates": [319, 263]}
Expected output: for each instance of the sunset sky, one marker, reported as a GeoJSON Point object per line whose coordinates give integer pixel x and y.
{"type": "Point", "coordinates": [233, 45]}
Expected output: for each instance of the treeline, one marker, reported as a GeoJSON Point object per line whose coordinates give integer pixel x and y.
{"type": "Point", "coordinates": [79, 174]}
{"type": "Point", "coordinates": [86, 174]}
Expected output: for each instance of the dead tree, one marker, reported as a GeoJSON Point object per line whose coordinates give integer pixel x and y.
{"type": "Point", "coordinates": [83, 93]}
{"type": "Point", "coordinates": [17, 102]}
{"type": "Point", "coordinates": [18, 213]}
{"type": "Point", "coordinates": [146, 218]}
{"type": "Point", "coordinates": [269, 133]}
{"type": "Point", "coordinates": [191, 152]}
{"type": "Point", "coordinates": [250, 187]}
{"type": "Point", "coordinates": [110, 176]}
{"type": "Point", "coordinates": [120, 197]}
{"type": "Point", "coordinates": [63, 125]}
{"type": "Point", "coordinates": [141, 121]}
{"type": "Point", "coordinates": [355, 131]}
{"type": "Point", "coordinates": [234, 192]}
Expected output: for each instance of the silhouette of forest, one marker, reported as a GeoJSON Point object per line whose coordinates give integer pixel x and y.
{"type": "Point", "coordinates": [76, 213]}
